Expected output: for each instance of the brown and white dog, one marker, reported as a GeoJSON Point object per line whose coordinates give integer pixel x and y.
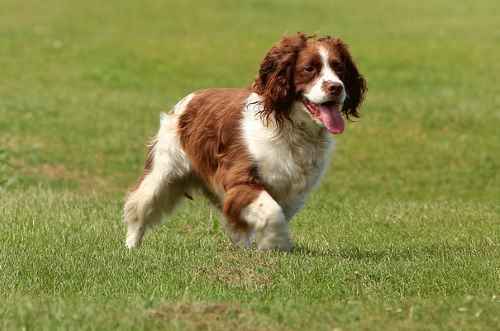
{"type": "Point", "coordinates": [255, 152]}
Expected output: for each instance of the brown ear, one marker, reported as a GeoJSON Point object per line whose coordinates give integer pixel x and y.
{"type": "Point", "coordinates": [275, 80]}
{"type": "Point", "coordinates": [354, 82]}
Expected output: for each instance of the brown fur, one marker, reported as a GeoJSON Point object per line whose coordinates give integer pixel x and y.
{"type": "Point", "coordinates": [209, 132]}
{"type": "Point", "coordinates": [275, 80]}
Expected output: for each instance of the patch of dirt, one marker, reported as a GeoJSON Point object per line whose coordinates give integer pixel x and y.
{"type": "Point", "coordinates": [237, 276]}
{"type": "Point", "coordinates": [55, 171]}
{"type": "Point", "coordinates": [205, 316]}
{"type": "Point", "coordinates": [86, 182]}
{"type": "Point", "coordinates": [13, 142]}
{"type": "Point", "coordinates": [234, 270]}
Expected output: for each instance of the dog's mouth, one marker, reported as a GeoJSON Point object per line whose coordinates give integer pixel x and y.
{"type": "Point", "coordinates": [327, 113]}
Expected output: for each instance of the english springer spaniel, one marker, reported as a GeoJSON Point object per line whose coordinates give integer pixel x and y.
{"type": "Point", "coordinates": [254, 152]}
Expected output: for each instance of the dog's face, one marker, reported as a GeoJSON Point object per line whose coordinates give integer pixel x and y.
{"type": "Point", "coordinates": [318, 73]}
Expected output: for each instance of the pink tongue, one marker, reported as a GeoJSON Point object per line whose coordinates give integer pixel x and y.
{"type": "Point", "coordinates": [331, 118]}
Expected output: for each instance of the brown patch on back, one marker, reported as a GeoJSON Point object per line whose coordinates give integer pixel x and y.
{"type": "Point", "coordinates": [210, 134]}
{"type": "Point", "coordinates": [209, 130]}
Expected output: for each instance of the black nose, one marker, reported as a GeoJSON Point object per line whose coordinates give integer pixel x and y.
{"type": "Point", "coordinates": [333, 88]}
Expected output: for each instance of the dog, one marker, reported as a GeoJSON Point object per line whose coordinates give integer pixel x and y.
{"type": "Point", "coordinates": [254, 152]}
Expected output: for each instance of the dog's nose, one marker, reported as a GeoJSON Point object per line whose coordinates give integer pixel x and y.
{"type": "Point", "coordinates": [334, 88]}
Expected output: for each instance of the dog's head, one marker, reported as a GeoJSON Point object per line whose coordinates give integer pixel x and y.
{"type": "Point", "coordinates": [318, 73]}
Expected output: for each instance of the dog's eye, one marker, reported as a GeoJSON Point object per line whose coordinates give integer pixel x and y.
{"type": "Point", "coordinates": [308, 68]}
{"type": "Point", "coordinates": [337, 66]}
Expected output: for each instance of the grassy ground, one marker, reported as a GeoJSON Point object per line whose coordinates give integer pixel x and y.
{"type": "Point", "coordinates": [404, 232]}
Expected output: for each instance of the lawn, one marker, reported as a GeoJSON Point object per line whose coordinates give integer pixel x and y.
{"type": "Point", "coordinates": [402, 234]}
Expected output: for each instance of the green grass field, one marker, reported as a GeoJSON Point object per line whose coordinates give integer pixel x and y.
{"type": "Point", "coordinates": [403, 233]}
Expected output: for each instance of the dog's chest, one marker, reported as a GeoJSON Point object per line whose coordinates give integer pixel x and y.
{"type": "Point", "coordinates": [289, 170]}
{"type": "Point", "coordinates": [289, 164]}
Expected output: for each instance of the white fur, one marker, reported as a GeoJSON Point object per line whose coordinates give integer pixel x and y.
{"type": "Point", "coordinates": [316, 93]}
{"type": "Point", "coordinates": [180, 107]}
{"type": "Point", "coordinates": [267, 219]}
{"type": "Point", "coordinates": [170, 164]}
{"type": "Point", "coordinates": [290, 161]}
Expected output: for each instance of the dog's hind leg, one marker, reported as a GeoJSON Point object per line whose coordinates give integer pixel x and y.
{"type": "Point", "coordinates": [161, 186]}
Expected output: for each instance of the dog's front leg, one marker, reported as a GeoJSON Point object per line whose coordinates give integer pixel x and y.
{"type": "Point", "coordinates": [255, 209]}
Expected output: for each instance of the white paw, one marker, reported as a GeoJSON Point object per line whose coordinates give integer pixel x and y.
{"type": "Point", "coordinates": [274, 236]}
{"type": "Point", "coordinates": [131, 242]}
{"type": "Point", "coordinates": [134, 236]}
{"type": "Point", "coordinates": [275, 243]}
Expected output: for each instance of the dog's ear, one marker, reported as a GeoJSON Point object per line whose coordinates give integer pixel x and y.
{"type": "Point", "coordinates": [275, 81]}
{"type": "Point", "coordinates": [355, 83]}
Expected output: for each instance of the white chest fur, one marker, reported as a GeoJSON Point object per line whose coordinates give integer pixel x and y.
{"type": "Point", "coordinates": [290, 161]}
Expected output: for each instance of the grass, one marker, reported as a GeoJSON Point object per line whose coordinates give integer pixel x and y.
{"type": "Point", "coordinates": [403, 233]}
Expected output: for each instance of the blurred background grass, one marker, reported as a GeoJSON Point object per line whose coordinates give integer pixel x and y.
{"type": "Point", "coordinates": [83, 84]}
